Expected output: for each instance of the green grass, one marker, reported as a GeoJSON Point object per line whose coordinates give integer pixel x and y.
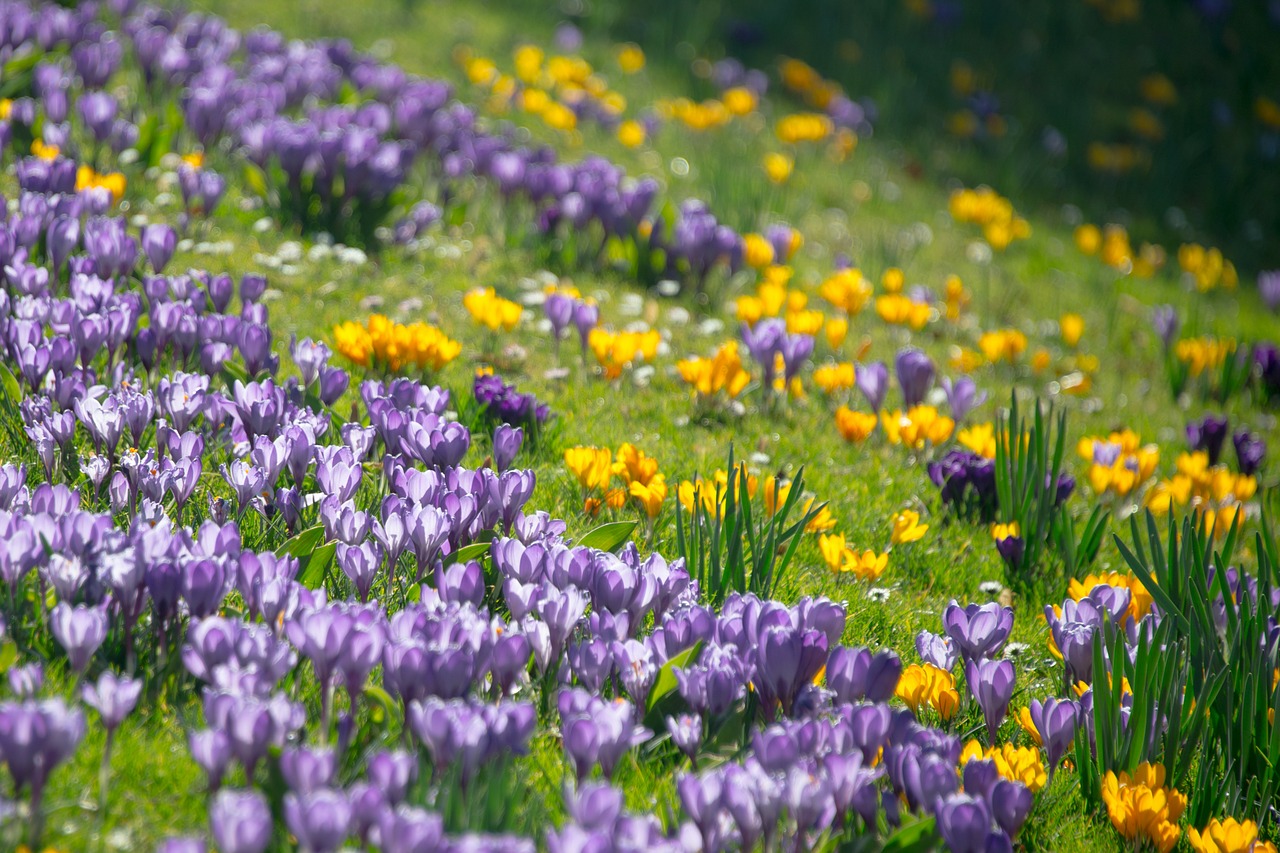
{"type": "Point", "coordinates": [157, 789]}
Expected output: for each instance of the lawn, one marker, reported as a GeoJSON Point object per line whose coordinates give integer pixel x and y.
{"type": "Point", "coordinates": [1010, 298]}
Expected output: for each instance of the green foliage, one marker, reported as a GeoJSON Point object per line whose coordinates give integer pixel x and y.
{"type": "Point", "coordinates": [1028, 462]}
{"type": "Point", "coordinates": [1230, 651]}
{"type": "Point", "coordinates": [730, 549]}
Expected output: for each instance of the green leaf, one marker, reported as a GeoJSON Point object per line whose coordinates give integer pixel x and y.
{"type": "Point", "coordinates": [8, 656]}
{"type": "Point", "coordinates": [665, 683]}
{"type": "Point", "coordinates": [316, 565]}
{"type": "Point", "coordinates": [303, 544]}
{"type": "Point", "coordinates": [9, 382]}
{"type": "Point", "coordinates": [609, 536]}
{"type": "Point", "coordinates": [256, 179]}
{"type": "Point", "coordinates": [474, 551]}
{"type": "Point", "coordinates": [913, 837]}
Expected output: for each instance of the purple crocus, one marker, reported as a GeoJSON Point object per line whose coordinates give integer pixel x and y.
{"type": "Point", "coordinates": [1251, 450]}
{"type": "Point", "coordinates": [159, 241]}
{"type": "Point", "coordinates": [113, 698]}
{"type": "Point", "coordinates": [686, 734]}
{"type": "Point", "coordinates": [979, 630]}
{"type": "Point", "coordinates": [991, 683]}
{"type": "Point", "coordinates": [1208, 434]}
{"type": "Point", "coordinates": [915, 375]}
{"type": "Point", "coordinates": [80, 630]}
{"type": "Point", "coordinates": [1164, 319]}
{"type": "Point", "coordinates": [873, 382]}
{"type": "Point", "coordinates": [1269, 289]}
{"type": "Point", "coordinates": [506, 444]}
{"type": "Point", "coordinates": [962, 396]}
{"type": "Point", "coordinates": [241, 821]}
{"type": "Point", "coordinates": [1056, 721]}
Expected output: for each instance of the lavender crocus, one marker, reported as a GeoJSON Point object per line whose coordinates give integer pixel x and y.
{"type": "Point", "coordinates": [873, 382]}
{"type": "Point", "coordinates": [979, 630]}
{"type": "Point", "coordinates": [1269, 289]}
{"type": "Point", "coordinates": [159, 242]}
{"type": "Point", "coordinates": [506, 444]}
{"type": "Point", "coordinates": [991, 683]}
{"type": "Point", "coordinates": [1251, 450]}
{"type": "Point", "coordinates": [240, 821]}
{"type": "Point", "coordinates": [113, 698]}
{"type": "Point", "coordinates": [80, 630]}
{"type": "Point", "coordinates": [962, 396]}
{"type": "Point", "coordinates": [1208, 434]}
{"type": "Point", "coordinates": [1055, 721]}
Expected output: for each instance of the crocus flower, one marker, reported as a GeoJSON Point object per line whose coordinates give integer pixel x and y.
{"type": "Point", "coordinates": [686, 734]}
{"type": "Point", "coordinates": [991, 683]}
{"type": "Point", "coordinates": [1251, 450]}
{"type": "Point", "coordinates": [159, 242]}
{"type": "Point", "coordinates": [112, 697]}
{"type": "Point", "coordinates": [80, 630]}
{"type": "Point", "coordinates": [240, 821]}
{"type": "Point", "coordinates": [962, 396]}
{"type": "Point", "coordinates": [1208, 434]}
{"type": "Point", "coordinates": [1165, 321]}
{"type": "Point", "coordinates": [915, 375]}
{"type": "Point", "coordinates": [979, 630]}
{"type": "Point", "coordinates": [506, 444]}
{"type": "Point", "coordinates": [1269, 289]}
{"type": "Point", "coordinates": [1055, 721]}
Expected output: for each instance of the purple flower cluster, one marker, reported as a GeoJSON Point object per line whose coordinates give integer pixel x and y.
{"type": "Point", "coordinates": [502, 403]}
{"type": "Point", "coordinates": [968, 484]}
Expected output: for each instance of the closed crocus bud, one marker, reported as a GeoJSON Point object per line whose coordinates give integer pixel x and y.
{"type": "Point", "coordinates": [1055, 721]}
{"type": "Point", "coordinates": [686, 733]}
{"type": "Point", "coordinates": [212, 751]}
{"type": "Point", "coordinates": [1208, 434]}
{"type": "Point", "coordinates": [1165, 321]}
{"type": "Point", "coordinates": [1251, 450]}
{"type": "Point", "coordinates": [26, 680]}
{"type": "Point", "coordinates": [80, 630]}
{"type": "Point", "coordinates": [392, 772]}
{"type": "Point", "coordinates": [1010, 805]}
{"type": "Point", "coordinates": [873, 381]}
{"type": "Point", "coordinates": [240, 821]}
{"type": "Point", "coordinates": [1012, 549]}
{"type": "Point", "coordinates": [61, 239]}
{"type": "Point", "coordinates": [306, 770]}
{"type": "Point", "coordinates": [506, 444]}
{"type": "Point", "coordinates": [410, 829]}
{"type": "Point", "coordinates": [159, 242]}
{"type": "Point", "coordinates": [991, 683]}
{"type": "Point", "coordinates": [585, 317]}
{"type": "Point", "coordinates": [915, 376]}
{"type": "Point", "coordinates": [964, 822]}
{"type": "Point", "coordinates": [320, 820]}
{"type": "Point", "coordinates": [252, 286]}
{"type": "Point", "coordinates": [113, 698]}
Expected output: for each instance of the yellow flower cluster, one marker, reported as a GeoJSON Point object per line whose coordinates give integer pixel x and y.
{"type": "Point", "coordinates": [924, 685]}
{"type": "Point", "coordinates": [992, 212]}
{"type": "Point", "coordinates": [1214, 490]}
{"type": "Point", "coordinates": [722, 373]}
{"type": "Point", "coordinates": [835, 377]}
{"type": "Point", "coordinates": [803, 127]}
{"type": "Point", "coordinates": [385, 344]}
{"type": "Point", "coordinates": [1134, 463]}
{"type": "Point", "coordinates": [898, 309]}
{"type": "Point", "coordinates": [1158, 89]}
{"type": "Point", "coordinates": [491, 310]}
{"type": "Point", "coordinates": [802, 79]}
{"type": "Point", "coordinates": [757, 251]}
{"type": "Point", "coordinates": [618, 350]}
{"type": "Point", "coordinates": [1203, 353]}
{"type": "Point", "coordinates": [980, 438]}
{"type": "Point", "coordinates": [1111, 244]}
{"type": "Point", "coordinates": [957, 298]}
{"type": "Point", "coordinates": [112, 182]}
{"type": "Point", "coordinates": [772, 296]}
{"type": "Point", "coordinates": [854, 426]}
{"type": "Point", "coordinates": [43, 151]}
{"type": "Point", "coordinates": [640, 479]}
{"type": "Point", "coordinates": [1207, 267]}
{"type": "Point", "coordinates": [711, 493]}
{"type": "Point", "coordinates": [920, 424]}
{"type": "Point", "coordinates": [698, 117]}
{"type": "Point", "coordinates": [866, 565]}
{"type": "Point", "coordinates": [999, 345]}
{"type": "Point", "coordinates": [1015, 763]}
{"type": "Point", "coordinates": [1142, 809]}
{"type": "Point", "coordinates": [1228, 836]}
{"type": "Point", "coordinates": [1140, 600]}
{"type": "Point", "coordinates": [848, 290]}
{"type": "Point", "coordinates": [1116, 158]}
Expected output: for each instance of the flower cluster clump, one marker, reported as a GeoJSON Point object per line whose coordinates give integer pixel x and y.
{"type": "Point", "coordinates": [383, 344]}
